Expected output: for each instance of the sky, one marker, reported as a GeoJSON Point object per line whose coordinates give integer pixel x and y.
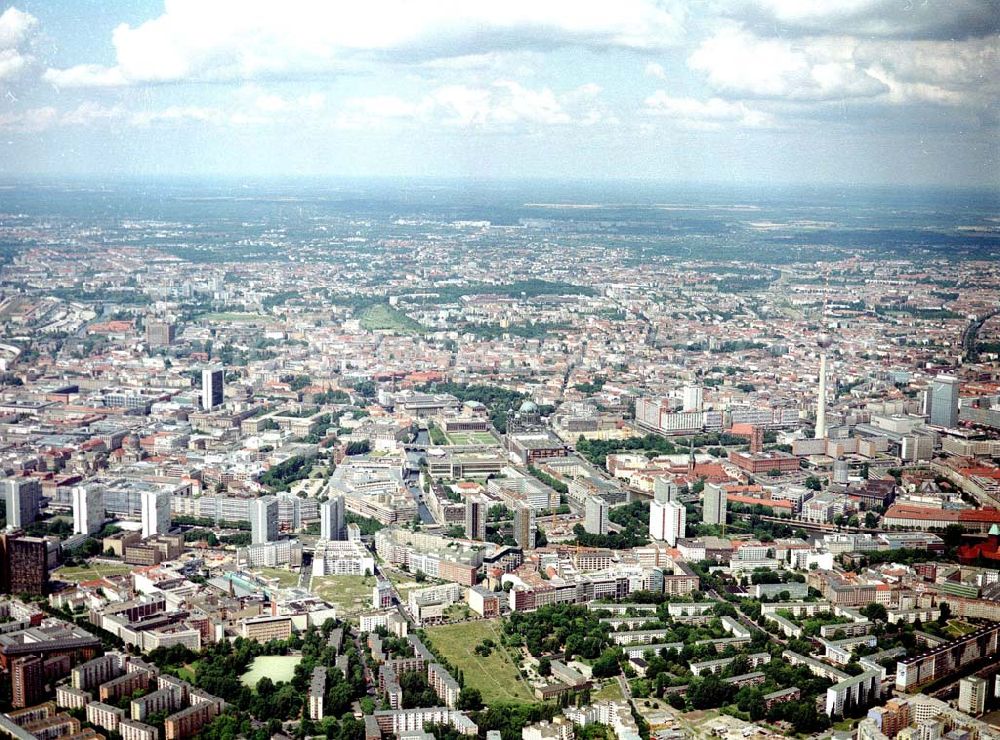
{"type": "Point", "coordinates": [882, 92]}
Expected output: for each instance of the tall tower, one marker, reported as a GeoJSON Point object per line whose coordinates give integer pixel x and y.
{"type": "Point", "coordinates": [155, 512]}
{"type": "Point", "coordinates": [212, 380]}
{"type": "Point", "coordinates": [331, 518]}
{"type": "Point", "coordinates": [823, 341]}
{"type": "Point", "coordinates": [263, 520]}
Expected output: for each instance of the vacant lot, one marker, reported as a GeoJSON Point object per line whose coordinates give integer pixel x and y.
{"type": "Point", "coordinates": [91, 571]}
{"type": "Point", "coordinates": [496, 676]}
{"type": "Point", "coordinates": [285, 578]}
{"type": "Point", "coordinates": [351, 595]}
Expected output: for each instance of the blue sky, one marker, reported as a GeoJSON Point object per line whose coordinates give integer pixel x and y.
{"type": "Point", "coordinates": [900, 92]}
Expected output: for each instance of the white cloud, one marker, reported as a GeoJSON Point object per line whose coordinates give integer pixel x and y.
{"type": "Point", "coordinates": [260, 39]}
{"type": "Point", "coordinates": [503, 105]}
{"type": "Point", "coordinates": [85, 75]}
{"type": "Point", "coordinates": [714, 113]}
{"type": "Point", "coordinates": [740, 64]}
{"type": "Point", "coordinates": [31, 120]}
{"type": "Point", "coordinates": [656, 71]}
{"type": "Point", "coordinates": [16, 31]}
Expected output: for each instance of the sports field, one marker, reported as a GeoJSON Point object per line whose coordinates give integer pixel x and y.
{"type": "Point", "coordinates": [496, 676]}
{"type": "Point", "coordinates": [471, 438]}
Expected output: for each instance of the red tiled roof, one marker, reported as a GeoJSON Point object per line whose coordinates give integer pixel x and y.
{"type": "Point", "coordinates": [905, 511]}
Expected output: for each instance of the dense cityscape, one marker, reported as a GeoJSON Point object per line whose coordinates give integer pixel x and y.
{"type": "Point", "coordinates": [412, 462]}
{"type": "Point", "coordinates": [499, 370]}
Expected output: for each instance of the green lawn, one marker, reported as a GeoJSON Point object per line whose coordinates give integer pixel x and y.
{"type": "Point", "coordinates": [188, 671]}
{"type": "Point", "coordinates": [351, 595]}
{"type": "Point", "coordinates": [496, 676]}
{"type": "Point", "coordinates": [471, 438]}
{"type": "Point", "coordinates": [286, 578]}
{"type": "Point", "coordinates": [610, 691]}
{"type": "Point", "coordinates": [382, 316]}
{"type": "Point", "coordinates": [957, 628]}
{"type": "Point", "coordinates": [90, 572]}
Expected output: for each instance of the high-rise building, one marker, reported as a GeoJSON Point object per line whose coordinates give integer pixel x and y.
{"type": "Point", "coordinates": [155, 511]}
{"type": "Point", "coordinates": [88, 508]}
{"type": "Point", "coordinates": [475, 518]}
{"type": "Point", "coordinates": [25, 564]}
{"type": "Point", "coordinates": [667, 521]}
{"type": "Point", "coordinates": [212, 379]}
{"type": "Point", "coordinates": [23, 497]}
{"type": "Point", "coordinates": [27, 678]}
{"type": "Point", "coordinates": [972, 695]}
{"type": "Point", "coordinates": [714, 502]}
{"type": "Point", "coordinates": [525, 529]}
{"type": "Point", "coordinates": [264, 520]}
{"type": "Point", "coordinates": [160, 333]}
{"type": "Point", "coordinates": [944, 401]}
{"type": "Point", "coordinates": [331, 519]}
{"type": "Point", "coordinates": [664, 489]}
{"type": "Point", "coordinates": [693, 398]}
{"type": "Point", "coordinates": [595, 515]}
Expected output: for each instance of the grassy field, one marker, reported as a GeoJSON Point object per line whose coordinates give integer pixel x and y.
{"type": "Point", "coordinates": [90, 572]}
{"type": "Point", "coordinates": [386, 317]}
{"type": "Point", "coordinates": [351, 595]}
{"type": "Point", "coordinates": [286, 578]}
{"type": "Point", "coordinates": [496, 677]}
{"type": "Point", "coordinates": [610, 691]}
{"type": "Point", "coordinates": [276, 667]}
{"type": "Point", "coordinates": [471, 438]}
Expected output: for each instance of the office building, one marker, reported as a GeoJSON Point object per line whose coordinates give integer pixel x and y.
{"type": "Point", "coordinates": [714, 504]}
{"type": "Point", "coordinates": [475, 518]}
{"type": "Point", "coordinates": [23, 497]}
{"type": "Point", "coordinates": [667, 521]}
{"type": "Point", "coordinates": [212, 379]}
{"type": "Point", "coordinates": [664, 489]}
{"type": "Point", "coordinates": [972, 695]}
{"type": "Point", "coordinates": [331, 518]}
{"type": "Point", "coordinates": [525, 529]}
{"type": "Point", "coordinates": [159, 333]}
{"type": "Point", "coordinates": [263, 520]}
{"type": "Point", "coordinates": [25, 564]}
{"type": "Point", "coordinates": [944, 401]}
{"type": "Point", "coordinates": [155, 512]}
{"type": "Point", "coordinates": [88, 509]}
{"type": "Point", "coordinates": [595, 519]}
{"type": "Point", "coordinates": [693, 398]}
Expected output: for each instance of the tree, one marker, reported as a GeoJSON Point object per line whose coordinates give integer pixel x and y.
{"type": "Point", "coordinates": [814, 483]}
{"type": "Point", "coordinates": [470, 699]}
{"type": "Point", "coordinates": [544, 667]}
{"type": "Point", "coordinates": [875, 612]}
{"type": "Point", "coordinates": [607, 665]}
